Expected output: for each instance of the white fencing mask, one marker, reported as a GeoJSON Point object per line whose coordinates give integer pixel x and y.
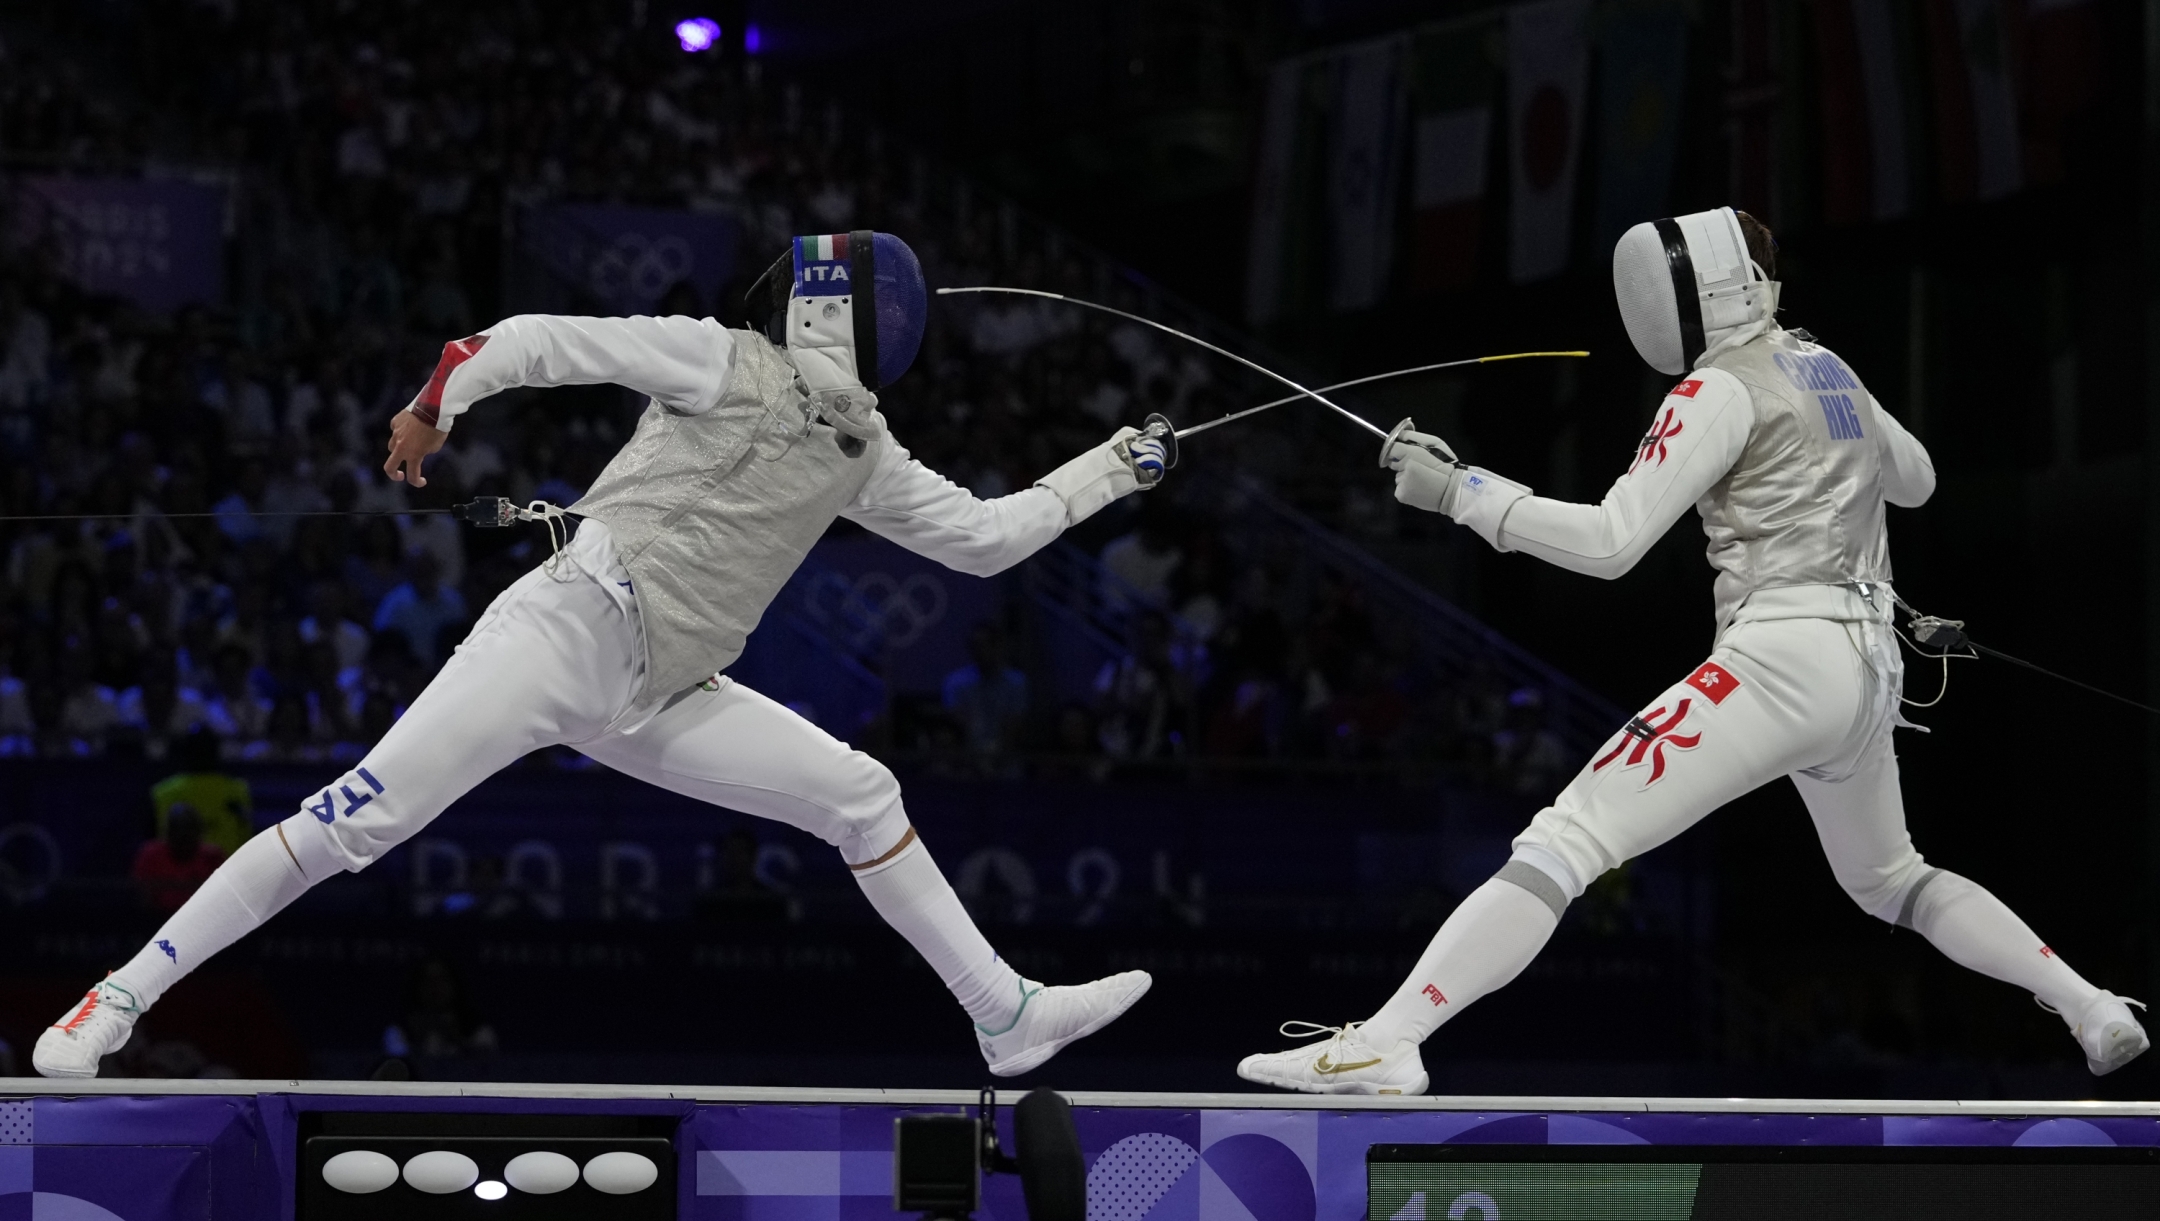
{"type": "Point", "coordinates": [1685, 284]}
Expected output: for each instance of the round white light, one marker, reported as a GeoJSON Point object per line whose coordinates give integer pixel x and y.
{"type": "Point", "coordinates": [359, 1171]}
{"type": "Point", "coordinates": [439, 1172]}
{"type": "Point", "coordinates": [541, 1174]}
{"type": "Point", "coordinates": [619, 1173]}
{"type": "Point", "coordinates": [491, 1190]}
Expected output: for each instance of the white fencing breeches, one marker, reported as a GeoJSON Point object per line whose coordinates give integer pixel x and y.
{"type": "Point", "coordinates": [1815, 699]}
{"type": "Point", "coordinates": [557, 662]}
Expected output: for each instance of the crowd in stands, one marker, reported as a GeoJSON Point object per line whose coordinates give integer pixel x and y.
{"type": "Point", "coordinates": [375, 151]}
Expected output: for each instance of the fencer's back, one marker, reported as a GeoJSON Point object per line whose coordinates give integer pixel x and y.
{"type": "Point", "coordinates": [712, 513]}
{"type": "Point", "coordinates": [1804, 503]}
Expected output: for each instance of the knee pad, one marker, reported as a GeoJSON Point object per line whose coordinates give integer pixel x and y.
{"type": "Point", "coordinates": [308, 848]}
{"type": "Point", "coordinates": [1888, 893]}
{"type": "Point", "coordinates": [874, 840]}
{"type": "Point", "coordinates": [1929, 893]}
{"type": "Point", "coordinates": [1543, 874]}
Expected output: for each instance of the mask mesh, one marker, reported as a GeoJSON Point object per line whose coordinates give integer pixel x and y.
{"type": "Point", "coordinates": [902, 307]}
{"type": "Point", "coordinates": [1642, 284]}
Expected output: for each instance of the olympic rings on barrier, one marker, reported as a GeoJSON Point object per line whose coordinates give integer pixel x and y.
{"type": "Point", "coordinates": [876, 606]}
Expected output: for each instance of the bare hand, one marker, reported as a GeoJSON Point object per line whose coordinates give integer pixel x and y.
{"type": "Point", "coordinates": [411, 440]}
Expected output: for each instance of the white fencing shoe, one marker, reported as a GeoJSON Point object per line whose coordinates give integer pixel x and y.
{"type": "Point", "coordinates": [1343, 1064]}
{"type": "Point", "coordinates": [2109, 1033]}
{"type": "Point", "coordinates": [95, 1028]}
{"type": "Point", "coordinates": [1050, 1018]}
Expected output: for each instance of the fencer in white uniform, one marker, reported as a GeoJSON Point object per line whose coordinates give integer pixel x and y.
{"type": "Point", "coordinates": [1789, 461]}
{"type": "Point", "coordinates": [746, 451]}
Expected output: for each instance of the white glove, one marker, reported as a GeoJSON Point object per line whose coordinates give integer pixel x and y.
{"type": "Point", "coordinates": [1102, 474]}
{"type": "Point", "coordinates": [1426, 471]}
{"type": "Point", "coordinates": [1150, 459]}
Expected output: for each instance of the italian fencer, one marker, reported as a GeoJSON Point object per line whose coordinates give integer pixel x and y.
{"type": "Point", "coordinates": [1789, 461]}
{"type": "Point", "coordinates": [752, 442]}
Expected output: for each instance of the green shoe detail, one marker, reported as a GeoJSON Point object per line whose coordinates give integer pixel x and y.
{"type": "Point", "coordinates": [1025, 997]}
{"type": "Point", "coordinates": [133, 1005]}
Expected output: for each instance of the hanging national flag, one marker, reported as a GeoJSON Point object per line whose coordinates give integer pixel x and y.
{"type": "Point", "coordinates": [1454, 71]}
{"type": "Point", "coordinates": [1642, 62]}
{"type": "Point", "coordinates": [1548, 60]}
{"type": "Point", "coordinates": [1282, 258]}
{"type": "Point", "coordinates": [1975, 108]}
{"type": "Point", "coordinates": [1364, 156]}
{"type": "Point", "coordinates": [1867, 174]}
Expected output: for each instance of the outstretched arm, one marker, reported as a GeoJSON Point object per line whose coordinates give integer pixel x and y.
{"type": "Point", "coordinates": [929, 514]}
{"type": "Point", "coordinates": [683, 363]}
{"type": "Point", "coordinates": [1694, 439]}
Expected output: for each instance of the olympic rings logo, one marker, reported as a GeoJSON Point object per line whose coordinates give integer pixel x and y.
{"type": "Point", "coordinates": [636, 268]}
{"type": "Point", "coordinates": [22, 879]}
{"type": "Point", "coordinates": [876, 606]}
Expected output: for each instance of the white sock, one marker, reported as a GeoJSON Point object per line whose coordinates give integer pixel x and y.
{"type": "Point", "coordinates": [1979, 932]}
{"type": "Point", "coordinates": [1486, 942]}
{"type": "Point", "coordinates": [914, 897]}
{"type": "Point", "coordinates": [254, 885]}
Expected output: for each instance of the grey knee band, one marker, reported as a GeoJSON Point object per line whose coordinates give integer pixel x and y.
{"type": "Point", "coordinates": [1534, 880]}
{"type": "Point", "coordinates": [1912, 898]}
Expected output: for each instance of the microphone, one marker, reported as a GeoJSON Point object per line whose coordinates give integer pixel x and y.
{"type": "Point", "coordinates": [1053, 1178]}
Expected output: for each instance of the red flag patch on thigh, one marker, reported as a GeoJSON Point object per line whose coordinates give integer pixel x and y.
{"type": "Point", "coordinates": [1714, 681]}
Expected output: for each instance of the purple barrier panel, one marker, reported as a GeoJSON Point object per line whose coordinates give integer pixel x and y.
{"type": "Point", "coordinates": [224, 1133]}
{"type": "Point", "coordinates": [1995, 1130]}
{"type": "Point", "coordinates": [625, 259]}
{"type": "Point", "coordinates": [127, 1182]}
{"type": "Point", "coordinates": [790, 1162]}
{"type": "Point", "coordinates": [1719, 1128]}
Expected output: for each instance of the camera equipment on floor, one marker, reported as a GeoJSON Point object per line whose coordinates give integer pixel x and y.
{"type": "Point", "coordinates": [939, 1160]}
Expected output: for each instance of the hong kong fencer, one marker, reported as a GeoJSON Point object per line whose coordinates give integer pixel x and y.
{"type": "Point", "coordinates": [751, 444]}
{"type": "Point", "coordinates": [1789, 461]}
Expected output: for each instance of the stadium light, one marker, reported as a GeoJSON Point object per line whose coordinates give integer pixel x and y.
{"type": "Point", "coordinates": [697, 34]}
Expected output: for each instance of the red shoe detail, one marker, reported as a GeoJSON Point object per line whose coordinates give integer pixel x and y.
{"type": "Point", "coordinates": [89, 1006]}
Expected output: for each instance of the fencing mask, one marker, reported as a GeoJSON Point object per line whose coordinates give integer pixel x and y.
{"type": "Point", "coordinates": [850, 313]}
{"type": "Point", "coordinates": [1685, 284]}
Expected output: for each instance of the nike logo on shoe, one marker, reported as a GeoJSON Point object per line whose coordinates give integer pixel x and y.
{"type": "Point", "coordinates": [1321, 1065]}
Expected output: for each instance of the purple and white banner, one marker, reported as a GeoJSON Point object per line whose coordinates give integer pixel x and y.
{"type": "Point", "coordinates": [625, 260]}
{"type": "Point", "coordinates": [160, 244]}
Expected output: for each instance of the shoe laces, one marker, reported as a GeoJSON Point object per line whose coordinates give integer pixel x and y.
{"type": "Point", "coordinates": [2110, 995]}
{"type": "Point", "coordinates": [1309, 1030]}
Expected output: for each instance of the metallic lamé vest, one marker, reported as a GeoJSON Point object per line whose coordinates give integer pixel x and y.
{"type": "Point", "coordinates": [1804, 504]}
{"type": "Point", "coordinates": [712, 513]}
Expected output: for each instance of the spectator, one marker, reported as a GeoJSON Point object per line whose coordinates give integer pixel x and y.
{"type": "Point", "coordinates": [439, 1020]}
{"type": "Point", "coordinates": [989, 699]}
{"type": "Point", "coordinates": [421, 608]}
{"type": "Point", "coordinates": [160, 710]}
{"type": "Point", "coordinates": [235, 709]}
{"type": "Point", "coordinates": [224, 806]}
{"type": "Point", "coordinates": [1143, 561]}
{"type": "Point", "coordinates": [328, 622]}
{"type": "Point", "coordinates": [169, 868]}
{"type": "Point", "coordinates": [1135, 694]}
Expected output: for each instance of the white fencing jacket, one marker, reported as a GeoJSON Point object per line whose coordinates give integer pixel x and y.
{"type": "Point", "coordinates": [1785, 455]}
{"type": "Point", "coordinates": [730, 477]}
